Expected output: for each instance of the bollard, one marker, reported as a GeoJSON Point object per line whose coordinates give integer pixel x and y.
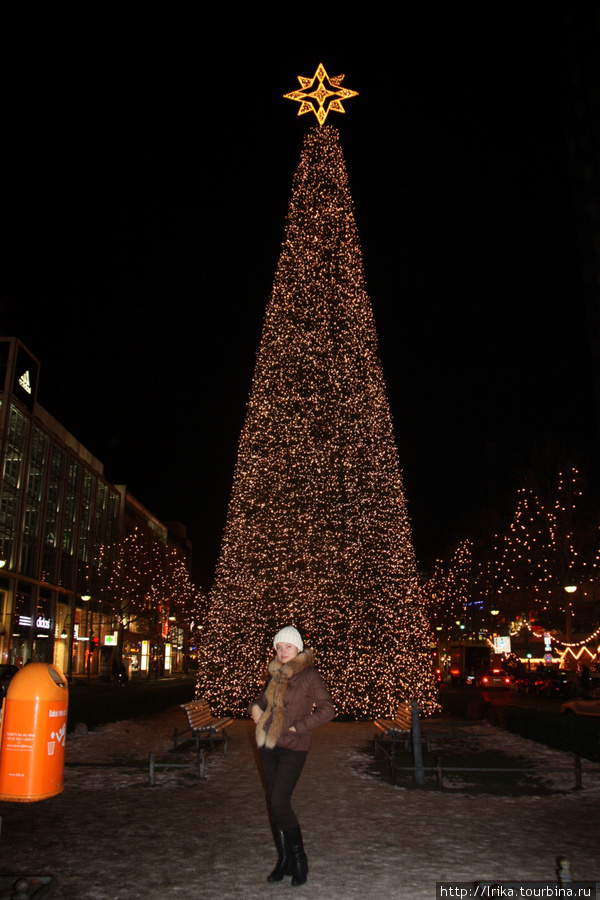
{"type": "Point", "coordinates": [564, 870]}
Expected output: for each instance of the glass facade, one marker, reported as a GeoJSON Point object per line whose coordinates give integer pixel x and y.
{"type": "Point", "coordinates": [33, 511]}
{"type": "Point", "coordinates": [14, 452]}
{"type": "Point", "coordinates": [53, 524]}
{"type": "Point", "coordinates": [57, 516]}
{"type": "Point", "coordinates": [63, 592]}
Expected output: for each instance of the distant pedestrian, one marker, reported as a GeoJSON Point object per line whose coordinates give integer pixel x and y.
{"type": "Point", "coordinates": [294, 703]}
{"type": "Point", "coordinates": [586, 679]}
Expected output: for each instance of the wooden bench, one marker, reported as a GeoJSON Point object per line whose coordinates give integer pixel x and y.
{"type": "Point", "coordinates": [207, 732]}
{"type": "Point", "coordinates": [394, 730]}
{"type": "Point", "coordinates": [400, 728]}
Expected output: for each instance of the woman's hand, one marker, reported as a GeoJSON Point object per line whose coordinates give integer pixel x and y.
{"type": "Point", "coordinates": [256, 712]}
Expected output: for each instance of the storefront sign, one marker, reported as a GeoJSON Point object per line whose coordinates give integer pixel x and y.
{"type": "Point", "coordinates": [502, 644]}
{"type": "Point", "coordinates": [547, 642]}
{"type": "Point", "coordinates": [25, 382]}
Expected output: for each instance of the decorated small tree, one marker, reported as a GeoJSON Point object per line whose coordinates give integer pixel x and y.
{"type": "Point", "coordinates": [142, 583]}
{"type": "Point", "coordinates": [547, 549]}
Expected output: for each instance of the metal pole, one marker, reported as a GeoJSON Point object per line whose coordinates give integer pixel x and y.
{"type": "Point", "coordinates": [417, 746]}
{"type": "Point", "coordinates": [70, 635]}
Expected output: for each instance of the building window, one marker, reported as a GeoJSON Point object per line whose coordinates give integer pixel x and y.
{"type": "Point", "coordinates": [32, 514]}
{"type": "Point", "coordinates": [69, 538]}
{"type": "Point", "coordinates": [53, 525]}
{"type": "Point", "coordinates": [12, 474]}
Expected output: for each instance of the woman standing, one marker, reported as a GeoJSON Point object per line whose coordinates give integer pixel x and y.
{"type": "Point", "coordinates": [295, 702]}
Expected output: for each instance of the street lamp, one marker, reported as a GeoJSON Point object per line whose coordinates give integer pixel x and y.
{"type": "Point", "coordinates": [570, 589]}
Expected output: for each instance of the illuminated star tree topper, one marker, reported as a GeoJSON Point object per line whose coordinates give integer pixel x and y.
{"type": "Point", "coordinates": [317, 101]}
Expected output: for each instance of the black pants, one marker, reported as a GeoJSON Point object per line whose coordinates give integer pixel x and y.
{"type": "Point", "coordinates": [282, 770]}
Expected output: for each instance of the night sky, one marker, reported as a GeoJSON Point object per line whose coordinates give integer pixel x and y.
{"type": "Point", "coordinates": [148, 163]}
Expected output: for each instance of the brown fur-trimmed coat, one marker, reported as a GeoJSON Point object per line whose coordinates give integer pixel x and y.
{"type": "Point", "coordinates": [296, 695]}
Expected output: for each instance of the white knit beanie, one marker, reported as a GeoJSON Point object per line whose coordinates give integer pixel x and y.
{"type": "Point", "coordinates": [288, 635]}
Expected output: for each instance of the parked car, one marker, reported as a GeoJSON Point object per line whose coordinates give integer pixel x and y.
{"type": "Point", "coordinates": [525, 683]}
{"type": "Point", "coordinates": [495, 678]}
{"type": "Point", "coordinates": [556, 683]}
{"type": "Point", "coordinates": [549, 682]}
{"type": "Point", "coordinates": [583, 706]}
{"type": "Point", "coordinates": [6, 673]}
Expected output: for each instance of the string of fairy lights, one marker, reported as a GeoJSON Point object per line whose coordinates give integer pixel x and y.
{"type": "Point", "coordinates": [317, 532]}
{"type": "Point", "coordinates": [576, 650]}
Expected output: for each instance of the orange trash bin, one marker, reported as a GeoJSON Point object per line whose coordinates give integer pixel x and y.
{"type": "Point", "coordinates": [34, 731]}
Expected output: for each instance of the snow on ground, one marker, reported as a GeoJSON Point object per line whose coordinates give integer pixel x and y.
{"type": "Point", "coordinates": [109, 836]}
{"type": "Point", "coordinates": [554, 768]}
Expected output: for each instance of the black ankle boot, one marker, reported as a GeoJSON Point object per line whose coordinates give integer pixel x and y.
{"type": "Point", "coordinates": [284, 866]}
{"type": "Point", "coordinates": [297, 856]}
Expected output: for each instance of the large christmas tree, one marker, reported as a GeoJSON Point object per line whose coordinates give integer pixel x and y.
{"type": "Point", "coordinates": [317, 533]}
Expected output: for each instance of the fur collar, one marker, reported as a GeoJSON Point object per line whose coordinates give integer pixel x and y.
{"type": "Point", "coordinates": [294, 666]}
{"type": "Point", "coordinates": [274, 694]}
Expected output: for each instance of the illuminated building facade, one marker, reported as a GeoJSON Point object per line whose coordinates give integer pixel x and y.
{"type": "Point", "coordinates": [70, 592]}
{"type": "Point", "coordinates": [56, 511]}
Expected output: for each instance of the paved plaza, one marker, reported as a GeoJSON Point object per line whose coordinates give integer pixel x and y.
{"type": "Point", "coordinates": [110, 836]}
